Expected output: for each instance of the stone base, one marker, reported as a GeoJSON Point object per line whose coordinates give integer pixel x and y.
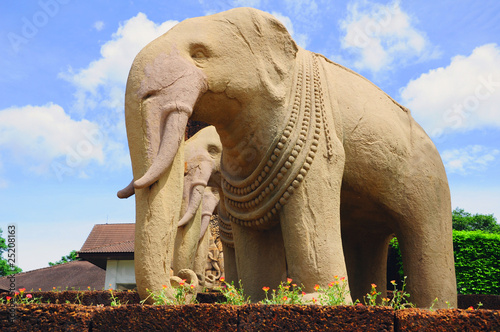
{"type": "Point", "coordinates": [253, 317]}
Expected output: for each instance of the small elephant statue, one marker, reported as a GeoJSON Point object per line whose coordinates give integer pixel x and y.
{"type": "Point", "coordinates": [200, 199]}
{"type": "Point", "coordinates": [320, 168]}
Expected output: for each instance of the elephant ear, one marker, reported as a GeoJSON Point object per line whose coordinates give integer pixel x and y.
{"type": "Point", "coordinates": [268, 37]}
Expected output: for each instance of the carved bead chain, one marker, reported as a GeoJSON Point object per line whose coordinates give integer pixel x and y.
{"type": "Point", "coordinates": [279, 174]}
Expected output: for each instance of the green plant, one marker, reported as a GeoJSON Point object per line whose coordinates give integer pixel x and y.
{"type": "Point", "coordinates": [22, 297]}
{"type": "Point", "coordinates": [400, 297]}
{"type": "Point", "coordinates": [234, 296]}
{"type": "Point", "coordinates": [371, 297]}
{"type": "Point", "coordinates": [287, 293]}
{"type": "Point", "coordinates": [476, 262]}
{"type": "Point", "coordinates": [336, 292]}
{"type": "Point", "coordinates": [183, 294]}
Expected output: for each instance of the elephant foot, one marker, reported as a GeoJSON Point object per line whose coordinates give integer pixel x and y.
{"type": "Point", "coordinates": [187, 280]}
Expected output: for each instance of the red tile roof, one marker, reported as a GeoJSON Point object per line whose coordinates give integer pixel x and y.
{"type": "Point", "coordinates": [77, 275]}
{"type": "Point", "coordinates": [107, 237]}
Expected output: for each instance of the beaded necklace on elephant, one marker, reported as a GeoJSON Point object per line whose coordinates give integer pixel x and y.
{"type": "Point", "coordinates": [254, 201]}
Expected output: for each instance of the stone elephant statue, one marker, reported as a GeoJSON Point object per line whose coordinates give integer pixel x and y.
{"type": "Point", "coordinates": [200, 198]}
{"type": "Point", "coordinates": [320, 168]}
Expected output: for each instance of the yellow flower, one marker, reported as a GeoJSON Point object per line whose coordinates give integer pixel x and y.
{"type": "Point", "coordinates": [265, 289]}
{"type": "Point", "coordinates": [288, 280]}
{"type": "Point", "coordinates": [222, 279]}
{"type": "Point", "coordinates": [374, 286]}
{"type": "Point", "coordinates": [393, 282]}
{"type": "Point", "coordinates": [316, 287]}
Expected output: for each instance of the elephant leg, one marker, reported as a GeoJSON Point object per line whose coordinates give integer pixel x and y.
{"type": "Point", "coordinates": [230, 272]}
{"type": "Point", "coordinates": [260, 259]}
{"type": "Point", "coordinates": [200, 260]}
{"type": "Point", "coordinates": [310, 223]}
{"type": "Point", "coordinates": [428, 262]}
{"type": "Point", "coordinates": [425, 236]}
{"type": "Point", "coordinates": [366, 259]}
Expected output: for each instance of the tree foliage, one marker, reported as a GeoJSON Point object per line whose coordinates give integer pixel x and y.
{"type": "Point", "coordinates": [464, 221]}
{"type": "Point", "coordinates": [5, 268]}
{"type": "Point", "coordinates": [65, 259]}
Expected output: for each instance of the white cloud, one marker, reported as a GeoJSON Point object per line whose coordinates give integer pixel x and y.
{"type": "Point", "coordinates": [38, 135]}
{"type": "Point", "coordinates": [102, 83]}
{"type": "Point", "coordinates": [465, 95]}
{"type": "Point", "coordinates": [468, 159]}
{"type": "Point", "coordinates": [382, 36]}
{"type": "Point", "coordinates": [300, 38]}
{"type": "Point", "coordinates": [99, 25]}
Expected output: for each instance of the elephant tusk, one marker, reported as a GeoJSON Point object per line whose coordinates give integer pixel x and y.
{"type": "Point", "coordinates": [173, 134]}
{"type": "Point", "coordinates": [195, 198]}
{"type": "Point", "coordinates": [127, 191]}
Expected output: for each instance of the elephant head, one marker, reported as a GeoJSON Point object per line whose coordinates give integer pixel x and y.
{"type": "Point", "coordinates": [202, 154]}
{"type": "Point", "coordinates": [190, 72]}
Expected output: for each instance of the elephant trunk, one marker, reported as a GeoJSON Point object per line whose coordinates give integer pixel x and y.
{"type": "Point", "coordinates": [160, 96]}
{"type": "Point", "coordinates": [195, 183]}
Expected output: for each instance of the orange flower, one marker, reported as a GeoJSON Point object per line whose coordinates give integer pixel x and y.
{"type": "Point", "coordinates": [53, 288]}
{"type": "Point", "coordinates": [22, 290]}
{"type": "Point", "coordinates": [286, 287]}
{"type": "Point", "coordinates": [164, 286]}
{"type": "Point", "coordinates": [288, 280]}
{"type": "Point", "coordinates": [29, 296]}
{"type": "Point", "coordinates": [265, 289]}
{"type": "Point", "coordinates": [87, 287]}
{"type": "Point", "coordinates": [316, 287]}
{"type": "Point", "coordinates": [314, 300]}
{"type": "Point", "coordinates": [393, 282]}
{"type": "Point", "coordinates": [342, 279]}
{"type": "Point", "coordinates": [8, 298]}
{"type": "Point", "coordinates": [374, 286]}
{"type": "Point", "coordinates": [182, 283]}
{"type": "Point", "coordinates": [191, 286]}
{"type": "Point", "coordinates": [285, 298]}
{"type": "Point", "coordinates": [222, 279]}
{"type": "Point", "coordinates": [39, 289]}
{"type": "Point", "coordinates": [470, 308]}
{"type": "Point", "coordinates": [303, 293]}
{"type": "Point", "coordinates": [294, 285]}
{"type": "Point", "coordinates": [336, 277]}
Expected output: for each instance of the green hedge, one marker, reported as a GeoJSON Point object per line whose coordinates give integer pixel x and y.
{"type": "Point", "coordinates": [477, 261]}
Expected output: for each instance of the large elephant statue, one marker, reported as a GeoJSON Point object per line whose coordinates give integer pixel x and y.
{"type": "Point", "coordinates": [320, 168]}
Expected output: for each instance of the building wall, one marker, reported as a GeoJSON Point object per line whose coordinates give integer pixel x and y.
{"type": "Point", "coordinates": [120, 274]}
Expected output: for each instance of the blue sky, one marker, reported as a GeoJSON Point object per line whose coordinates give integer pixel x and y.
{"type": "Point", "coordinates": [64, 64]}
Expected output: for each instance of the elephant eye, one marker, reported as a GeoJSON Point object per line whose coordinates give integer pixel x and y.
{"type": "Point", "coordinates": [198, 55]}
{"type": "Point", "coordinates": [213, 150]}
{"type": "Point", "coordinates": [199, 52]}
